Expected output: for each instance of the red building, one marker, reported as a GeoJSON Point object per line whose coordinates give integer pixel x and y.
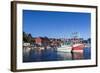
{"type": "Point", "coordinates": [44, 41]}
{"type": "Point", "coordinates": [38, 40]}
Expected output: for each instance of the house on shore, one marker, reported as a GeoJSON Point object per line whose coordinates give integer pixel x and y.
{"type": "Point", "coordinates": [42, 41]}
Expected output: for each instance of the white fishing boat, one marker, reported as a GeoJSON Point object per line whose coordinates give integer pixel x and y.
{"type": "Point", "coordinates": [64, 48]}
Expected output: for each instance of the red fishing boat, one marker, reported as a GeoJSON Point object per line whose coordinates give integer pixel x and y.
{"type": "Point", "coordinates": [78, 47]}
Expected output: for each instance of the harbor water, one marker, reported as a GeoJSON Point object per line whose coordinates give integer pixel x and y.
{"type": "Point", "coordinates": [30, 55]}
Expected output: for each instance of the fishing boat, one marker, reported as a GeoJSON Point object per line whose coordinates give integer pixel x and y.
{"type": "Point", "coordinates": [78, 47]}
{"type": "Point", "coordinates": [64, 48]}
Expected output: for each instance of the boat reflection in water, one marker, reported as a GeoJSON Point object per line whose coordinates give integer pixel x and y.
{"type": "Point", "coordinates": [77, 56]}
{"type": "Point", "coordinates": [51, 54]}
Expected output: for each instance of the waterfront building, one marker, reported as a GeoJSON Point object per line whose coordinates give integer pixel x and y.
{"type": "Point", "coordinates": [26, 44]}
{"type": "Point", "coordinates": [38, 41]}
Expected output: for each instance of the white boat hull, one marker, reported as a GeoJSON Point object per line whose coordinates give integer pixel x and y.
{"type": "Point", "coordinates": [81, 51]}
{"type": "Point", "coordinates": [64, 49]}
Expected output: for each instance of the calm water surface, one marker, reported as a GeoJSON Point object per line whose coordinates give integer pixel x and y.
{"type": "Point", "coordinates": [30, 55]}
